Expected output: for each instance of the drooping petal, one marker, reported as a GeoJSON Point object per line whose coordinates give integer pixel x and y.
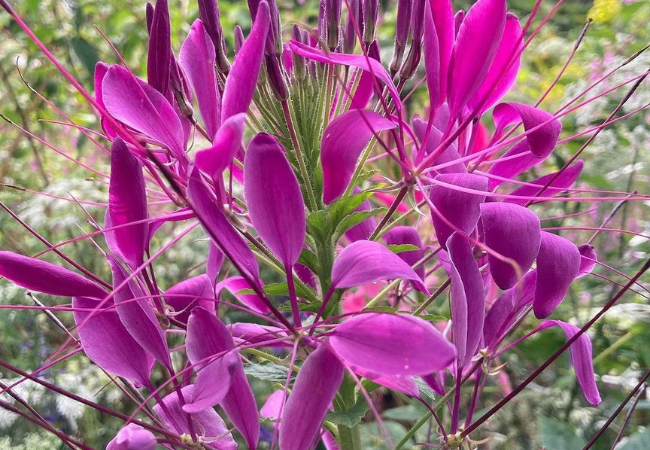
{"type": "Point", "coordinates": [402, 383]}
{"type": "Point", "coordinates": [558, 264]}
{"type": "Point", "coordinates": [401, 235]}
{"type": "Point", "coordinates": [275, 204]}
{"type": "Point", "coordinates": [108, 344]}
{"type": "Point", "coordinates": [236, 284]}
{"type": "Point", "coordinates": [514, 232]}
{"type": "Point", "coordinates": [364, 262]}
{"type": "Point", "coordinates": [138, 317]}
{"type": "Point", "coordinates": [127, 202]}
{"type": "Point", "coordinates": [504, 68]}
{"type": "Point", "coordinates": [101, 69]}
{"type": "Point", "coordinates": [467, 298]}
{"type": "Point", "coordinates": [304, 411]}
{"type": "Point", "coordinates": [217, 158]}
{"type": "Point", "coordinates": [476, 45]}
{"type": "Point", "coordinates": [215, 223]}
{"type": "Point", "coordinates": [197, 58]}
{"type": "Point", "coordinates": [142, 108]}
{"type": "Point", "coordinates": [42, 276]}
{"type": "Point", "coordinates": [160, 49]}
{"type": "Point", "coordinates": [188, 294]}
{"type": "Point", "coordinates": [208, 336]}
{"type": "Point", "coordinates": [242, 79]}
{"type": "Point", "coordinates": [254, 333]}
{"type": "Point", "coordinates": [208, 423]}
{"type": "Point", "coordinates": [343, 141]}
{"type": "Point", "coordinates": [212, 383]}
{"type": "Point", "coordinates": [435, 138]}
{"type": "Point", "coordinates": [541, 140]}
{"type": "Point", "coordinates": [559, 183]}
{"type": "Point", "coordinates": [133, 437]}
{"type": "Point", "coordinates": [517, 160]}
{"type": "Point", "coordinates": [581, 358]}
{"type": "Point", "coordinates": [588, 259]}
{"type": "Point", "coordinates": [392, 344]}
{"type": "Point", "coordinates": [461, 209]}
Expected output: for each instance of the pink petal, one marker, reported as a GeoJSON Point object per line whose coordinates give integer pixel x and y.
{"type": "Point", "coordinates": [581, 358]}
{"type": "Point", "coordinates": [275, 204]}
{"type": "Point", "coordinates": [160, 49]}
{"type": "Point", "coordinates": [254, 333]}
{"type": "Point", "coordinates": [402, 383]}
{"type": "Point", "coordinates": [588, 259]}
{"type": "Point", "coordinates": [442, 14]}
{"type": "Point", "coordinates": [561, 182]}
{"type": "Point", "coordinates": [304, 412]}
{"type": "Point", "coordinates": [127, 202]}
{"type": "Point", "coordinates": [42, 276]}
{"type": "Point", "coordinates": [514, 232]}
{"type": "Point", "coordinates": [227, 142]}
{"type": "Point", "coordinates": [217, 226]}
{"type": "Point", "coordinates": [558, 264]}
{"type": "Point", "coordinates": [236, 284]}
{"type": "Point", "coordinates": [242, 79]}
{"type": "Point", "coordinates": [432, 61]}
{"type": "Point", "coordinates": [273, 405]}
{"type": "Point", "coordinates": [208, 336]}
{"type": "Point", "coordinates": [364, 262]}
{"type": "Point", "coordinates": [197, 58]}
{"type": "Point", "coordinates": [108, 344]}
{"type": "Point", "coordinates": [343, 141]}
{"type": "Point", "coordinates": [142, 108]}
{"type": "Point", "coordinates": [214, 263]}
{"type": "Point", "coordinates": [207, 423]}
{"type": "Point", "coordinates": [212, 383]}
{"type": "Point", "coordinates": [389, 344]}
{"type": "Point", "coordinates": [467, 298]}
{"type": "Point", "coordinates": [434, 139]}
{"type": "Point", "coordinates": [474, 51]}
{"type": "Point", "coordinates": [188, 294]}
{"type": "Point", "coordinates": [133, 437]}
{"type": "Point", "coordinates": [363, 230]}
{"type": "Point", "coordinates": [100, 72]}
{"type": "Point", "coordinates": [461, 209]}
{"type": "Point", "coordinates": [401, 235]}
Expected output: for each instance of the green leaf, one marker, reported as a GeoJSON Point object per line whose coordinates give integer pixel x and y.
{"type": "Point", "coordinates": [309, 260]}
{"type": "Point", "coordinates": [638, 441]}
{"type": "Point", "coordinates": [353, 219]}
{"type": "Point", "coordinates": [283, 289]}
{"type": "Point", "coordinates": [349, 417]}
{"type": "Point", "coordinates": [267, 372]}
{"type": "Point", "coordinates": [558, 435]}
{"type": "Point", "coordinates": [373, 439]}
{"type": "Point", "coordinates": [400, 248]}
{"type": "Point", "coordinates": [408, 413]}
{"type": "Point", "coordinates": [86, 52]}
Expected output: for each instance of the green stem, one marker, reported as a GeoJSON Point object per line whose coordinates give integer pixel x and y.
{"type": "Point", "coordinates": [423, 420]}
{"type": "Point", "coordinates": [349, 438]}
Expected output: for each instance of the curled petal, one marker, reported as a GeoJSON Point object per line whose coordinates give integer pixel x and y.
{"type": "Point", "coordinates": [304, 412]}
{"type": "Point", "coordinates": [558, 264]}
{"type": "Point", "coordinates": [407, 235]}
{"type": "Point", "coordinates": [212, 383]}
{"type": "Point", "coordinates": [559, 183]}
{"type": "Point", "coordinates": [254, 333]}
{"type": "Point", "coordinates": [388, 344]}
{"type": "Point", "coordinates": [581, 358]}
{"type": "Point", "coordinates": [461, 209]}
{"type": "Point", "coordinates": [235, 285]}
{"type": "Point", "coordinates": [101, 69]}
{"type": "Point", "coordinates": [42, 276]}
{"type": "Point", "coordinates": [402, 383]}
{"type": "Point", "coordinates": [364, 262]}
{"type": "Point", "coordinates": [188, 294]}
{"type": "Point", "coordinates": [275, 204]}
{"type": "Point", "coordinates": [588, 259]}
{"type": "Point", "coordinates": [513, 232]}
{"type": "Point", "coordinates": [197, 58]}
{"type": "Point", "coordinates": [127, 202]}
{"type": "Point", "coordinates": [541, 140]}
{"type": "Point", "coordinates": [108, 344]}
{"type": "Point", "coordinates": [343, 141]}
{"type": "Point", "coordinates": [214, 160]}
{"type": "Point", "coordinates": [133, 437]}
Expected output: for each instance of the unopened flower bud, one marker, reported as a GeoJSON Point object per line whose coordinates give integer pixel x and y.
{"type": "Point", "coordinates": [417, 30]}
{"type": "Point", "coordinates": [402, 34]}
{"type": "Point", "coordinates": [276, 77]}
{"type": "Point", "coordinates": [299, 68]}
{"type": "Point", "coordinates": [239, 38]}
{"type": "Point", "coordinates": [333, 15]}
{"type": "Point", "coordinates": [370, 17]}
{"type": "Point", "coordinates": [209, 15]}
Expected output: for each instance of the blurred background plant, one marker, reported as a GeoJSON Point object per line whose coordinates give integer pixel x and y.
{"type": "Point", "coordinates": [54, 196]}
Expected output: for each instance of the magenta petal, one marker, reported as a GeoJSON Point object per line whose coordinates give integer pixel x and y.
{"type": "Point", "coordinates": [501, 75]}
{"type": "Point", "coordinates": [402, 383]}
{"type": "Point", "coordinates": [364, 262]}
{"type": "Point", "coordinates": [543, 139]}
{"type": "Point", "coordinates": [461, 209]}
{"type": "Point", "coordinates": [214, 263]}
{"type": "Point", "coordinates": [303, 415]}
{"type": "Point", "coordinates": [474, 51]}
{"type": "Point", "coordinates": [442, 14]}
{"type": "Point", "coordinates": [215, 223]}
{"type": "Point", "coordinates": [514, 232]}
{"type": "Point", "coordinates": [434, 139]}
{"type": "Point", "coordinates": [510, 168]}
{"type": "Point", "coordinates": [588, 259]}
{"type": "Point", "coordinates": [254, 333]}
{"type": "Point", "coordinates": [432, 61]}
{"type": "Point", "coordinates": [137, 315]}
{"type": "Point", "coordinates": [581, 358]}
{"type": "Point", "coordinates": [236, 284]}
{"type": "Point", "coordinates": [343, 141]}
{"type": "Point", "coordinates": [558, 264]}
{"type": "Point", "coordinates": [401, 235]}
{"type": "Point", "coordinates": [242, 79]}
{"type": "Point", "coordinates": [142, 108]}
{"type": "Point", "coordinates": [560, 182]}
{"type": "Point", "coordinates": [467, 298]}
{"type": "Point", "coordinates": [214, 160]}
{"type": "Point", "coordinates": [362, 62]}
{"type": "Point", "coordinates": [197, 58]}
{"type": "Point", "coordinates": [210, 426]}
{"type": "Point", "coordinates": [273, 405]}
{"type": "Point", "coordinates": [101, 69]}
{"type": "Point", "coordinates": [42, 276]}
{"type": "Point", "coordinates": [363, 230]}
{"type": "Point", "coordinates": [127, 202]}
{"type": "Point", "coordinates": [108, 344]}
{"type": "Point", "coordinates": [275, 204]}
{"type": "Point", "coordinates": [160, 49]}
{"type": "Point", "coordinates": [388, 344]}
{"type": "Point", "coordinates": [188, 294]}
{"type": "Point", "coordinates": [208, 336]}
{"type": "Point", "coordinates": [133, 437]}
{"type": "Point", "coordinates": [212, 383]}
